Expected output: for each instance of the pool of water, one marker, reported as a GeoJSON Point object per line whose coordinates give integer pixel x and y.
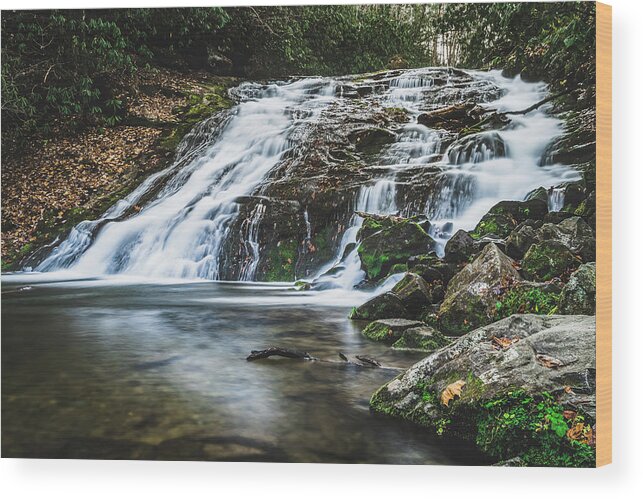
{"type": "Point", "coordinates": [117, 370]}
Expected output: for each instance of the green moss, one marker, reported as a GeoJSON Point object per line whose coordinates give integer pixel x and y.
{"type": "Point", "coordinates": [281, 261]}
{"type": "Point", "coordinates": [515, 424]}
{"type": "Point", "coordinates": [429, 343]}
{"type": "Point", "coordinates": [548, 259]}
{"type": "Point", "coordinates": [521, 300]}
{"type": "Point", "coordinates": [378, 332]}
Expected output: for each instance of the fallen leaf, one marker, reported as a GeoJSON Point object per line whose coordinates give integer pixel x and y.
{"type": "Point", "coordinates": [503, 342]}
{"type": "Point", "coordinates": [548, 362]}
{"type": "Point", "coordinates": [452, 391]}
{"type": "Point", "coordinates": [568, 389]}
{"type": "Point", "coordinates": [569, 414]}
{"type": "Point", "coordinates": [581, 433]}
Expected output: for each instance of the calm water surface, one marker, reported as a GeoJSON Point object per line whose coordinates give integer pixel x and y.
{"type": "Point", "coordinates": [102, 369]}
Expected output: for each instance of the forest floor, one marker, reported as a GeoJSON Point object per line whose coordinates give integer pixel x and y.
{"type": "Point", "coordinates": [74, 174]}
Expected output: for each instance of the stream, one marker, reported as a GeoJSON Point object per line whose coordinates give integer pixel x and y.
{"type": "Point", "coordinates": [119, 370]}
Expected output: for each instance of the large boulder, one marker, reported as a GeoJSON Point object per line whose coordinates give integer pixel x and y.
{"type": "Point", "coordinates": [459, 248]}
{"type": "Point", "coordinates": [574, 233]}
{"type": "Point", "coordinates": [391, 245]}
{"type": "Point", "coordinates": [548, 259]}
{"type": "Point", "coordinates": [416, 294]}
{"type": "Point", "coordinates": [520, 240]}
{"type": "Point", "coordinates": [504, 216]}
{"type": "Point", "coordinates": [432, 269]}
{"type": "Point", "coordinates": [385, 306]}
{"type": "Point", "coordinates": [423, 338]}
{"type": "Point", "coordinates": [389, 330]}
{"type": "Point", "coordinates": [579, 294]}
{"type": "Point", "coordinates": [531, 367]}
{"type": "Point", "coordinates": [471, 295]}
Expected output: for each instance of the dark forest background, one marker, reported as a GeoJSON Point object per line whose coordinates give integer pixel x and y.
{"type": "Point", "coordinates": [73, 64]}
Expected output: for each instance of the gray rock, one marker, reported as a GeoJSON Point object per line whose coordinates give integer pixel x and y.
{"type": "Point", "coordinates": [548, 259]}
{"type": "Point", "coordinates": [470, 299]}
{"type": "Point", "coordinates": [549, 353]}
{"type": "Point", "coordinates": [574, 233]}
{"type": "Point", "coordinates": [389, 330]}
{"type": "Point", "coordinates": [520, 240]}
{"type": "Point", "coordinates": [421, 338]}
{"type": "Point", "coordinates": [579, 294]}
{"type": "Point", "coordinates": [385, 306]}
{"type": "Point", "coordinates": [459, 248]}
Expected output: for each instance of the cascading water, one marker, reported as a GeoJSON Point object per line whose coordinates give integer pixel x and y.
{"type": "Point", "coordinates": [556, 198]}
{"type": "Point", "coordinates": [188, 210]}
{"type": "Point", "coordinates": [180, 233]}
{"type": "Point", "coordinates": [494, 166]}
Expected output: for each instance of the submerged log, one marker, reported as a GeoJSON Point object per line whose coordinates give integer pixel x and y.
{"type": "Point", "coordinates": [368, 360]}
{"type": "Point", "coordinates": [280, 352]}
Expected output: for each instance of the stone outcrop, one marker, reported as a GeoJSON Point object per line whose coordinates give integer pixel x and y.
{"type": "Point", "coordinates": [470, 297]}
{"type": "Point", "coordinates": [579, 294]}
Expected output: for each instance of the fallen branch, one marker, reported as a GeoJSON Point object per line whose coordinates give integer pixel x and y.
{"type": "Point", "coordinates": [538, 104]}
{"type": "Point", "coordinates": [280, 352]}
{"type": "Point", "coordinates": [362, 360]}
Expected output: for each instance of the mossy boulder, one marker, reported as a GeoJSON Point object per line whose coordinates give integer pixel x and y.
{"type": "Point", "coordinates": [504, 216]}
{"type": "Point", "coordinates": [432, 269]}
{"type": "Point", "coordinates": [471, 295]}
{"type": "Point", "coordinates": [575, 234]}
{"type": "Point", "coordinates": [520, 240]}
{"type": "Point", "coordinates": [389, 330]}
{"type": "Point", "coordinates": [414, 293]}
{"type": "Point", "coordinates": [579, 294]}
{"type": "Point", "coordinates": [392, 245]}
{"type": "Point", "coordinates": [384, 306]}
{"type": "Point", "coordinates": [504, 387]}
{"type": "Point", "coordinates": [459, 248]}
{"type": "Point", "coordinates": [423, 338]}
{"type": "Point", "coordinates": [548, 259]}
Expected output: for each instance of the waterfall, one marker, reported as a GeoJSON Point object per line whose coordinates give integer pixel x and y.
{"type": "Point", "coordinates": [482, 169]}
{"type": "Point", "coordinates": [555, 198]}
{"type": "Point", "coordinates": [250, 238]}
{"type": "Point", "coordinates": [180, 233]}
{"type": "Point", "coordinates": [177, 222]}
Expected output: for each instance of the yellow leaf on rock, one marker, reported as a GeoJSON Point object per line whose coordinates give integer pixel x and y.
{"type": "Point", "coordinates": [452, 391]}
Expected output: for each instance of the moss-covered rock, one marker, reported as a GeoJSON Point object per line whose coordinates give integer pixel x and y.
{"type": "Point", "coordinates": [459, 248]}
{"type": "Point", "coordinates": [392, 245]}
{"type": "Point", "coordinates": [414, 293]}
{"type": "Point", "coordinates": [505, 395]}
{"type": "Point", "coordinates": [423, 338]}
{"type": "Point", "coordinates": [470, 298]}
{"type": "Point", "coordinates": [520, 240]}
{"type": "Point", "coordinates": [579, 294]}
{"type": "Point", "coordinates": [527, 298]}
{"type": "Point", "coordinates": [389, 330]}
{"type": "Point", "coordinates": [385, 306]}
{"type": "Point", "coordinates": [548, 259]}
{"type": "Point", "coordinates": [503, 217]}
{"type": "Point", "coordinates": [575, 234]}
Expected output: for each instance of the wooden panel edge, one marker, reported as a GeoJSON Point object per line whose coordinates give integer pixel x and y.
{"type": "Point", "coordinates": [603, 234]}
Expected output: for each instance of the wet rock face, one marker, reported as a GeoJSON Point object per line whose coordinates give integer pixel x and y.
{"type": "Point", "coordinates": [335, 156]}
{"type": "Point", "coordinates": [579, 294]}
{"type": "Point", "coordinates": [459, 248]}
{"type": "Point", "coordinates": [543, 354]}
{"type": "Point", "coordinates": [470, 297]}
{"type": "Point", "coordinates": [392, 245]}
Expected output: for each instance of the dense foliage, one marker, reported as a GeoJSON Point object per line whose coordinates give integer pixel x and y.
{"type": "Point", "coordinates": [74, 65]}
